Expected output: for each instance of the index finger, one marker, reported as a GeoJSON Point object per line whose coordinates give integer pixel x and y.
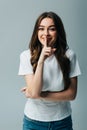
{"type": "Point", "coordinates": [45, 42]}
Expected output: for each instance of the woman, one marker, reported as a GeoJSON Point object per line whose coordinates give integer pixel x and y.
{"type": "Point", "coordinates": [50, 70]}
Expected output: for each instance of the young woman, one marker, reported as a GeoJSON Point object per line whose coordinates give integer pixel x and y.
{"type": "Point", "coordinates": [50, 70]}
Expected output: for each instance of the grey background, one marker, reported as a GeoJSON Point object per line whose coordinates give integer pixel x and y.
{"type": "Point", "coordinates": [17, 18]}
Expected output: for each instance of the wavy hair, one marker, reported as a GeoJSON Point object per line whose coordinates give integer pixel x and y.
{"type": "Point", "coordinates": [60, 44]}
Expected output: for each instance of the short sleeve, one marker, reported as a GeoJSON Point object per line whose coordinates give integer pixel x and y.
{"type": "Point", "coordinates": [25, 66]}
{"type": "Point", "coordinates": [75, 68]}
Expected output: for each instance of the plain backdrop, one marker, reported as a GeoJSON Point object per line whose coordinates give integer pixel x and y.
{"type": "Point", "coordinates": [17, 19]}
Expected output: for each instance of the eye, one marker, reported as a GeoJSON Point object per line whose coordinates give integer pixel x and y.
{"type": "Point", "coordinates": [52, 29]}
{"type": "Point", "coordinates": [41, 28]}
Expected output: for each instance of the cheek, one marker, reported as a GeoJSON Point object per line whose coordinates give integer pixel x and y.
{"type": "Point", "coordinates": [38, 36]}
{"type": "Point", "coordinates": [55, 36]}
{"type": "Point", "coordinates": [40, 39]}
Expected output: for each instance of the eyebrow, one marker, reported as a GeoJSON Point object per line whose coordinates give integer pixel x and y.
{"type": "Point", "coordinates": [49, 26]}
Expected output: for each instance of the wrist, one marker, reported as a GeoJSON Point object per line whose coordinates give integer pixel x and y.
{"type": "Point", "coordinates": [40, 62]}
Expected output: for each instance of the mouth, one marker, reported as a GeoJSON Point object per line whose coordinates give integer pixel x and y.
{"type": "Point", "coordinates": [50, 41]}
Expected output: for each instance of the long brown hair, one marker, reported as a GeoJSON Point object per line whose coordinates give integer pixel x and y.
{"type": "Point", "coordinates": [60, 44]}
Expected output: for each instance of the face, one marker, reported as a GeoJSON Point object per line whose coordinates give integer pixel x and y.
{"type": "Point", "coordinates": [47, 30]}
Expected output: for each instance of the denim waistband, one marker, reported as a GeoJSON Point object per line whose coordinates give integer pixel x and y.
{"type": "Point", "coordinates": [60, 124]}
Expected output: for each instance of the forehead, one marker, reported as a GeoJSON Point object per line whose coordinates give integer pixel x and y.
{"type": "Point", "coordinates": [47, 22]}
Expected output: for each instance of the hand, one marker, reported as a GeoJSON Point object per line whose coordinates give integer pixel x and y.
{"type": "Point", "coordinates": [25, 91]}
{"type": "Point", "coordinates": [46, 51]}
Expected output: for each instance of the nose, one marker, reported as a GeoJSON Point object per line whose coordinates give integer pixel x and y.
{"type": "Point", "coordinates": [46, 31]}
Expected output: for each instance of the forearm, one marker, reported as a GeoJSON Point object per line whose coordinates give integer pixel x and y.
{"type": "Point", "coordinates": [37, 80]}
{"type": "Point", "coordinates": [35, 87]}
{"type": "Point", "coordinates": [56, 96]}
{"type": "Point", "coordinates": [65, 95]}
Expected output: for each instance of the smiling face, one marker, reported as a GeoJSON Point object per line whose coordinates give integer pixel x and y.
{"type": "Point", "coordinates": [47, 30]}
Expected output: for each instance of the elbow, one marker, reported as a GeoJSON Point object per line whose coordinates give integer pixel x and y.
{"type": "Point", "coordinates": [32, 95]}
{"type": "Point", "coordinates": [72, 96]}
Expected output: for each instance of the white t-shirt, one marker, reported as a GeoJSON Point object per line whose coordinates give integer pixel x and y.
{"type": "Point", "coordinates": [44, 110]}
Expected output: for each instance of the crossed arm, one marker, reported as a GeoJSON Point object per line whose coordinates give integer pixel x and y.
{"type": "Point", "coordinates": [64, 95]}
{"type": "Point", "coordinates": [34, 87]}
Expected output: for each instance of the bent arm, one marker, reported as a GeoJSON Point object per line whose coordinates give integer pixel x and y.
{"type": "Point", "coordinates": [65, 95]}
{"type": "Point", "coordinates": [34, 82]}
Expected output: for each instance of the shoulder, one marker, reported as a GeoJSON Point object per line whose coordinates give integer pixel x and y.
{"type": "Point", "coordinates": [25, 53]}
{"type": "Point", "coordinates": [70, 53]}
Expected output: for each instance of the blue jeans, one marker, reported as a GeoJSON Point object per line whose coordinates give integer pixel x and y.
{"type": "Point", "coordinates": [65, 124]}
